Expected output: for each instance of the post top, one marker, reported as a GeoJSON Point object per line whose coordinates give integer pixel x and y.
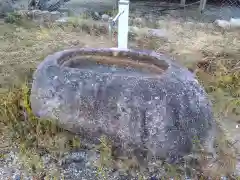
{"type": "Point", "coordinates": [123, 1]}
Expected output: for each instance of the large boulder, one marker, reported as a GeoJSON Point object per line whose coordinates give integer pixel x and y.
{"type": "Point", "coordinates": [140, 100]}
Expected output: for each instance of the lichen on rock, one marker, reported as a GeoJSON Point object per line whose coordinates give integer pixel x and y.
{"type": "Point", "coordinates": [140, 100]}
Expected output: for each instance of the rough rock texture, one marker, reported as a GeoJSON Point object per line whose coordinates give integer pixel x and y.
{"type": "Point", "coordinates": [143, 101]}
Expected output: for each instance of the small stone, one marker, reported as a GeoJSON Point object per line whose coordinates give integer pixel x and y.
{"type": "Point", "coordinates": [17, 177]}
{"type": "Point", "coordinates": [237, 169]}
{"type": "Point", "coordinates": [105, 17]}
{"type": "Point", "coordinates": [138, 20]}
{"type": "Point", "coordinates": [63, 20]}
{"type": "Point", "coordinates": [235, 23]}
{"type": "Point", "coordinates": [55, 15]}
{"type": "Point", "coordinates": [96, 14]}
{"type": "Point", "coordinates": [153, 178]}
{"type": "Point", "coordinates": [134, 29]}
{"type": "Point", "coordinates": [157, 32]}
{"type": "Point", "coordinates": [222, 23]}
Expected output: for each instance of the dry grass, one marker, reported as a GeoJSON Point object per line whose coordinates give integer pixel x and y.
{"type": "Point", "coordinates": [193, 42]}
{"type": "Point", "coordinates": [23, 47]}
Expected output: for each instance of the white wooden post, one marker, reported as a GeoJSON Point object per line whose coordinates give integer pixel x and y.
{"type": "Point", "coordinates": [123, 6]}
{"type": "Point", "coordinates": [202, 5]}
{"type": "Point", "coordinates": [183, 3]}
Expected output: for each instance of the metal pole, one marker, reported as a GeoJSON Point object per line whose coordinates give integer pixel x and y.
{"type": "Point", "coordinates": [123, 6]}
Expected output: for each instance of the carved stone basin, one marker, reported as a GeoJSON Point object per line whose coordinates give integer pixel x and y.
{"type": "Point", "coordinates": [136, 99]}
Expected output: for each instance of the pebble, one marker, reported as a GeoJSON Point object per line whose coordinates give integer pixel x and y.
{"type": "Point", "coordinates": [105, 17]}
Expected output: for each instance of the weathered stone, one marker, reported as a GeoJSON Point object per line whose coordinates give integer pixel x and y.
{"type": "Point", "coordinates": [63, 20]}
{"type": "Point", "coordinates": [141, 100]}
{"type": "Point", "coordinates": [222, 24]}
{"type": "Point", "coordinates": [96, 16]}
{"type": "Point", "coordinates": [39, 16]}
{"type": "Point", "coordinates": [138, 20]}
{"type": "Point", "coordinates": [232, 24]}
{"type": "Point", "coordinates": [160, 33]}
{"type": "Point", "coordinates": [105, 17]}
{"type": "Point", "coordinates": [55, 15]}
{"type": "Point", "coordinates": [147, 32]}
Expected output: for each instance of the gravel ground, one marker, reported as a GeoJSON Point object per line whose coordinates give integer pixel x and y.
{"type": "Point", "coordinates": [72, 166]}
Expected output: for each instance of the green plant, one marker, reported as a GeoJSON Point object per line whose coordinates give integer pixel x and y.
{"type": "Point", "coordinates": [105, 159]}
{"type": "Point", "coordinates": [13, 18]}
{"type": "Point", "coordinates": [223, 84]}
{"type": "Point", "coordinates": [31, 134]}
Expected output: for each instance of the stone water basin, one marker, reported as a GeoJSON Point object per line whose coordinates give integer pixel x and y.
{"type": "Point", "coordinates": [139, 100]}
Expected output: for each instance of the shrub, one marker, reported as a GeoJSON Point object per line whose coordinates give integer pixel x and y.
{"type": "Point", "coordinates": [13, 18]}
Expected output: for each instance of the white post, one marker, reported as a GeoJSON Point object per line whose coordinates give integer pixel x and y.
{"type": "Point", "coordinates": [123, 6]}
{"type": "Point", "coordinates": [202, 5]}
{"type": "Point", "coordinates": [183, 3]}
